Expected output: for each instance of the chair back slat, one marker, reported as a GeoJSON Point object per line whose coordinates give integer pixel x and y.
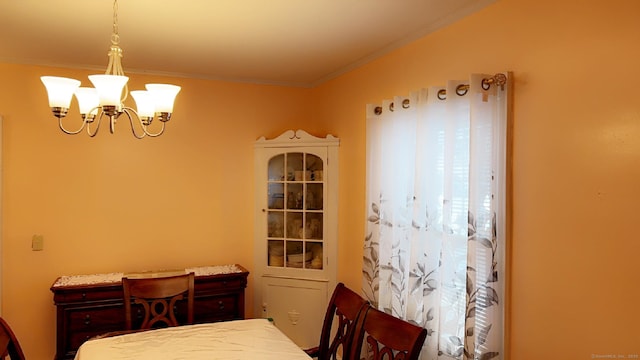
{"type": "Point", "coordinates": [9, 344]}
{"type": "Point", "coordinates": [158, 297]}
{"type": "Point", "coordinates": [387, 337]}
{"type": "Point", "coordinates": [343, 310]}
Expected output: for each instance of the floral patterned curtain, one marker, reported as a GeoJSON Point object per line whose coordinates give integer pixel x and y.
{"type": "Point", "coordinates": [436, 214]}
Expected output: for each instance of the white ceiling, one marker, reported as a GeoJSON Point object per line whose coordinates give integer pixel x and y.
{"type": "Point", "coordinates": [288, 42]}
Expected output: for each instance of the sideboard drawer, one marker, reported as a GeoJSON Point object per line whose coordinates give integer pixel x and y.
{"type": "Point", "coordinates": [98, 319]}
{"type": "Point", "coordinates": [217, 308]}
{"type": "Point", "coordinates": [205, 287]}
{"type": "Point", "coordinates": [88, 295]}
{"type": "Point", "coordinates": [85, 323]}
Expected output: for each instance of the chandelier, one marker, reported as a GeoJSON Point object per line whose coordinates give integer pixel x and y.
{"type": "Point", "coordinates": [106, 98]}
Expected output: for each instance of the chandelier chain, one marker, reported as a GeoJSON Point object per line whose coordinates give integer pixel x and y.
{"type": "Point", "coordinates": [114, 67]}
{"type": "Point", "coordinates": [115, 37]}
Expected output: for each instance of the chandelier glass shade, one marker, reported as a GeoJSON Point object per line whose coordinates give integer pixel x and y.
{"type": "Point", "coordinates": [106, 98]}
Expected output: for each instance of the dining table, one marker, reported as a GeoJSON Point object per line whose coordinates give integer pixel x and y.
{"type": "Point", "coordinates": [228, 340]}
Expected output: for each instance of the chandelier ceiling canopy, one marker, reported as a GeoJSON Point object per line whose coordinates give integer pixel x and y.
{"type": "Point", "coordinates": [106, 98]}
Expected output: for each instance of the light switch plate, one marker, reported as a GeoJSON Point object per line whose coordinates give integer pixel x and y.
{"type": "Point", "coordinates": [37, 243]}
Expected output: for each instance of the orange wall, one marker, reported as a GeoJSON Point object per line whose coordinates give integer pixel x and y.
{"type": "Point", "coordinates": [114, 203]}
{"type": "Point", "coordinates": [576, 161]}
{"type": "Point", "coordinates": [102, 202]}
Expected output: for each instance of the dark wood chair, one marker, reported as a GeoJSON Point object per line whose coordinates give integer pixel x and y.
{"type": "Point", "coordinates": [344, 308]}
{"type": "Point", "coordinates": [387, 337]}
{"type": "Point", "coordinates": [9, 343]}
{"type": "Point", "coordinates": [158, 297]}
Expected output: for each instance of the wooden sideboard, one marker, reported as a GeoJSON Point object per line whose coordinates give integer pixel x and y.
{"type": "Point", "coordinates": [90, 305]}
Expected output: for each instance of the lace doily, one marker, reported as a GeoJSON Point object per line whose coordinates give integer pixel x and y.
{"type": "Point", "coordinates": [110, 278]}
{"type": "Point", "coordinates": [88, 279]}
{"type": "Point", "coordinates": [214, 270]}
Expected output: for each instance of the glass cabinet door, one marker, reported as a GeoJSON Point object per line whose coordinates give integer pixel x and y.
{"type": "Point", "coordinates": [295, 190]}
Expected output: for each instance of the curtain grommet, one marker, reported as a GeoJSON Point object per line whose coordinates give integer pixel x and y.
{"type": "Point", "coordinates": [462, 89]}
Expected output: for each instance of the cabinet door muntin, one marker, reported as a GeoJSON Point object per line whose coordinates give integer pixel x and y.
{"type": "Point", "coordinates": [295, 210]}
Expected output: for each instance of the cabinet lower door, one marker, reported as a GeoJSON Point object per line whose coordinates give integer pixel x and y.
{"type": "Point", "coordinates": [297, 307]}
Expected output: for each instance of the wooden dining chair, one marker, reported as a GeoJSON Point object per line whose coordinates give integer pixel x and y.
{"type": "Point", "coordinates": [387, 337]}
{"type": "Point", "coordinates": [158, 297]}
{"type": "Point", "coordinates": [344, 308]}
{"type": "Point", "coordinates": [9, 343]}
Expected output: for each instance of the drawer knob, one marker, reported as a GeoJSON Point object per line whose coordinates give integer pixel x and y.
{"type": "Point", "coordinates": [221, 305]}
{"type": "Point", "coordinates": [84, 295]}
{"type": "Point", "coordinates": [87, 320]}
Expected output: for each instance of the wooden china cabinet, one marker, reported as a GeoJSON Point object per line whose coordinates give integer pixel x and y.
{"type": "Point", "coordinates": [296, 177]}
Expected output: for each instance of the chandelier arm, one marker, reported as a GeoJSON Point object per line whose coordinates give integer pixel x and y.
{"type": "Point", "coordinates": [98, 120]}
{"type": "Point", "coordinates": [71, 132]}
{"type": "Point", "coordinates": [110, 66]}
{"type": "Point", "coordinates": [125, 93]}
{"type": "Point", "coordinates": [128, 111]}
{"type": "Point", "coordinates": [154, 134]}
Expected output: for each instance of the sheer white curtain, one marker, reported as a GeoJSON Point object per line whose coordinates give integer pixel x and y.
{"type": "Point", "coordinates": [436, 214]}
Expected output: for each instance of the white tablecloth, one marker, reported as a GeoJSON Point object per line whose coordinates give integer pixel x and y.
{"type": "Point", "coordinates": [231, 340]}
